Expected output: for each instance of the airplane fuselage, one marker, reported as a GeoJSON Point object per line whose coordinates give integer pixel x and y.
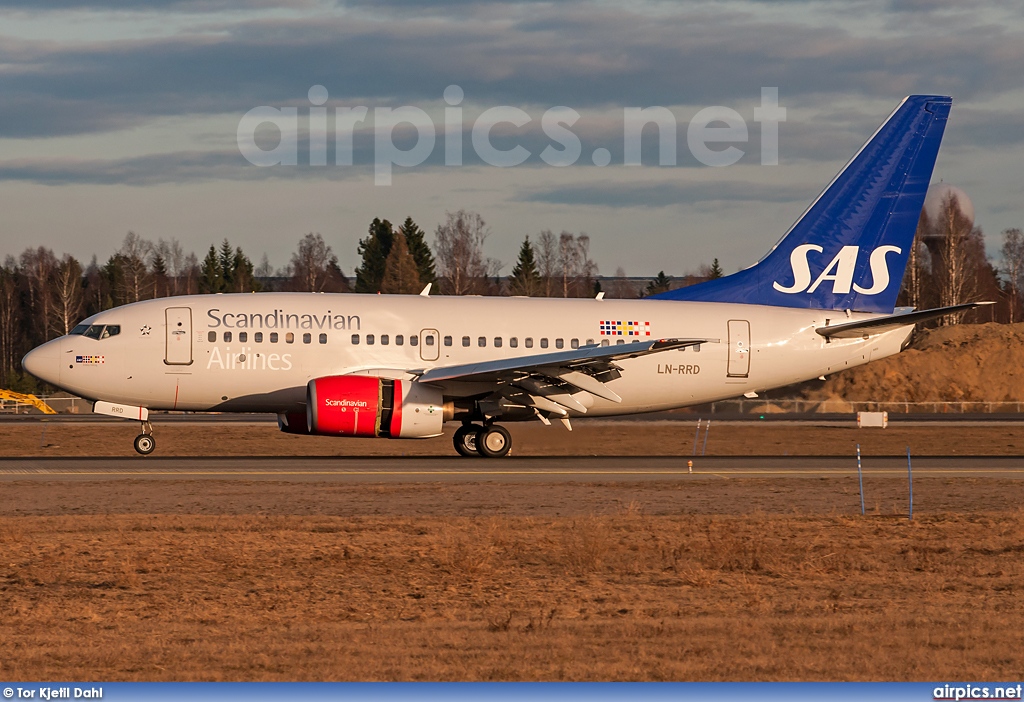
{"type": "Point", "coordinates": [257, 352]}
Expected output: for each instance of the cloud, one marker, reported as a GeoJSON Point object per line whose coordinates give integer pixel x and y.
{"type": "Point", "coordinates": [579, 54]}
{"type": "Point", "coordinates": [624, 195]}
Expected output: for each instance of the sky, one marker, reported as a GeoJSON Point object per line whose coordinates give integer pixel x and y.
{"type": "Point", "coordinates": [120, 115]}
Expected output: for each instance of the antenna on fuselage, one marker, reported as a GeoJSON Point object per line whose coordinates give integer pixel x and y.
{"type": "Point", "coordinates": [426, 291]}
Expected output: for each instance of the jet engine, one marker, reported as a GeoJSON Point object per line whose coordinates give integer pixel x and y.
{"type": "Point", "coordinates": [360, 405]}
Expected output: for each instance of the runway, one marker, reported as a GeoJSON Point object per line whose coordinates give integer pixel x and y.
{"type": "Point", "coordinates": [511, 470]}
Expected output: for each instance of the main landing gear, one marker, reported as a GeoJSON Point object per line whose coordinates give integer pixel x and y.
{"type": "Point", "coordinates": [473, 440]}
{"type": "Point", "coordinates": [144, 442]}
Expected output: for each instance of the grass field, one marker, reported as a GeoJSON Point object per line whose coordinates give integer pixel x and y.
{"type": "Point", "coordinates": [619, 596]}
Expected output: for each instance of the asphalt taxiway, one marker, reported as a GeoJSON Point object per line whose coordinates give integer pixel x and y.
{"type": "Point", "coordinates": [510, 470]}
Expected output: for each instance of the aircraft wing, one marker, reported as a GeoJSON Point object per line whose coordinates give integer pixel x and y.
{"type": "Point", "coordinates": [878, 325]}
{"type": "Point", "coordinates": [547, 381]}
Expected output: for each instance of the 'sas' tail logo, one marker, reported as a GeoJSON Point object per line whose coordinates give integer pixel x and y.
{"type": "Point", "coordinates": [839, 271]}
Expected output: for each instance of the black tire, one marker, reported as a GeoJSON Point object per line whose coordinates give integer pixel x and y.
{"type": "Point", "coordinates": [465, 440]}
{"type": "Point", "coordinates": [494, 442]}
{"type": "Point", "coordinates": [145, 444]}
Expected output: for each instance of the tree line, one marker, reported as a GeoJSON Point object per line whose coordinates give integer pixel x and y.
{"type": "Point", "coordinates": [42, 296]}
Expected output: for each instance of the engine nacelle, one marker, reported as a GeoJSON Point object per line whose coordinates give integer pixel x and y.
{"type": "Point", "coordinates": [360, 405]}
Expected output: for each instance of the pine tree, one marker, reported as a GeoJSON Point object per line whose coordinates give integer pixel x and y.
{"type": "Point", "coordinates": [716, 270]}
{"type": "Point", "coordinates": [211, 278]}
{"type": "Point", "coordinates": [419, 249]}
{"type": "Point", "coordinates": [227, 268]}
{"type": "Point", "coordinates": [525, 280]}
{"type": "Point", "coordinates": [659, 285]}
{"type": "Point", "coordinates": [401, 274]}
{"type": "Point", "coordinates": [374, 249]}
{"type": "Point", "coordinates": [243, 278]}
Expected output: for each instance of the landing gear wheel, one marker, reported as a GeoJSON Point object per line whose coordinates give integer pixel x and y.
{"type": "Point", "coordinates": [465, 440]}
{"type": "Point", "coordinates": [145, 443]}
{"type": "Point", "coordinates": [494, 442]}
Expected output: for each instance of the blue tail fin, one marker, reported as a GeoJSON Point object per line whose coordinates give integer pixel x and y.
{"type": "Point", "coordinates": [849, 249]}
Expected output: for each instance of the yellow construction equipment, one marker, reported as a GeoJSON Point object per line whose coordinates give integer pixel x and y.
{"type": "Point", "coordinates": [27, 400]}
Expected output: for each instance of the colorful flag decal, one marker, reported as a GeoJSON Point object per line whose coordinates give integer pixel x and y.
{"type": "Point", "coordinates": [89, 360]}
{"type": "Point", "coordinates": [619, 328]}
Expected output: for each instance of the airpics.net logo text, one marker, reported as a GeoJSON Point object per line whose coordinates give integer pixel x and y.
{"type": "Point", "coordinates": [714, 135]}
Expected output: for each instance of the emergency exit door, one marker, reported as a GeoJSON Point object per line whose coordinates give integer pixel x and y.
{"type": "Point", "coordinates": [179, 336]}
{"type": "Point", "coordinates": [430, 345]}
{"type": "Point", "coordinates": [739, 348]}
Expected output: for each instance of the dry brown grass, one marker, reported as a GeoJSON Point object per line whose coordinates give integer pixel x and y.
{"type": "Point", "coordinates": [619, 596]}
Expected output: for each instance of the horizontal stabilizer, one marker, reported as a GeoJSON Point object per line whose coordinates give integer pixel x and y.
{"type": "Point", "coordinates": [879, 325]}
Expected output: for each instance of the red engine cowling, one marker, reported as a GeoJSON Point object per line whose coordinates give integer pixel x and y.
{"type": "Point", "coordinates": [359, 405]}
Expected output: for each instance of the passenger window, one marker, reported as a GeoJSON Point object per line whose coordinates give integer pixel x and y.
{"type": "Point", "coordinates": [243, 337]}
{"type": "Point", "coordinates": [385, 339]}
{"type": "Point", "coordinates": [497, 342]}
{"type": "Point", "coordinates": [447, 341]}
{"type": "Point", "coordinates": [211, 336]}
{"type": "Point", "coordinates": [529, 342]}
{"type": "Point", "coordinates": [481, 342]}
{"type": "Point", "coordinates": [307, 338]}
{"type": "Point", "coordinates": [465, 341]}
{"type": "Point", "coordinates": [227, 336]}
{"type": "Point", "coordinates": [399, 340]}
{"type": "Point", "coordinates": [369, 339]}
{"type": "Point", "coordinates": [289, 338]}
{"type": "Point", "coordinates": [355, 339]}
{"type": "Point", "coordinates": [575, 343]}
{"type": "Point", "coordinates": [414, 340]}
{"type": "Point", "coordinates": [544, 343]}
{"type": "Point", "coordinates": [428, 340]}
{"type": "Point", "coordinates": [273, 337]}
{"type": "Point", "coordinates": [604, 342]}
{"type": "Point", "coordinates": [258, 337]}
{"type": "Point", "coordinates": [514, 342]}
{"type": "Point", "coordinates": [323, 338]}
{"type": "Point", "coordinates": [590, 342]}
{"type": "Point", "coordinates": [559, 344]}
{"type": "Point", "coordinates": [620, 342]}
{"type": "Point", "coordinates": [696, 349]}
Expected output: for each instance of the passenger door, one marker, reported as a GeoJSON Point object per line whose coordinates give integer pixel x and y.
{"type": "Point", "coordinates": [739, 348]}
{"type": "Point", "coordinates": [178, 350]}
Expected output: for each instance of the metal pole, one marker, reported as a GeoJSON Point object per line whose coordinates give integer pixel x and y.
{"type": "Point", "coordinates": [910, 482]}
{"type": "Point", "coordinates": [860, 477]}
{"type": "Point", "coordinates": [707, 430]}
{"type": "Point", "coordinates": [696, 436]}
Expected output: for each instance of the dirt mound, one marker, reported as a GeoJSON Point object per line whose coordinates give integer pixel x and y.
{"type": "Point", "coordinates": [966, 363]}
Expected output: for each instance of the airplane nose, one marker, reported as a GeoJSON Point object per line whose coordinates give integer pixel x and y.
{"type": "Point", "coordinates": [44, 362]}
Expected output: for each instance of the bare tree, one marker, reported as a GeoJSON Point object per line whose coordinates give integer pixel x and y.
{"type": "Point", "coordinates": [547, 260]}
{"type": "Point", "coordinates": [314, 267]}
{"type": "Point", "coordinates": [458, 244]}
{"type": "Point", "coordinates": [37, 266]}
{"type": "Point", "coordinates": [1013, 266]}
{"type": "Point", "coordinates": [67, 295]}
{"type": "Point", "coordinates": [172, 257]}
{"type": "Point", "coordinates": [954, 235]}
{"type": "Point", "coordinates": [135, 283]}
{"type": "Point", "coordinates": [10, 318]}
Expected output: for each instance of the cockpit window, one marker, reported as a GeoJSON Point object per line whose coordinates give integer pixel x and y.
{"type": "Point", "coordinates": [96, 331]}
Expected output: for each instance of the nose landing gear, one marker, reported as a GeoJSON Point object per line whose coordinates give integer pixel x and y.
{"type": "Point", "coordinates": [144, 442]}
{"type": "Point", "coordinates": [473, 440]}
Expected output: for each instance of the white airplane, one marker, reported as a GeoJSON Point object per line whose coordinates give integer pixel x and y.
{"type": "Point", "coordinates": [400, 366]}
